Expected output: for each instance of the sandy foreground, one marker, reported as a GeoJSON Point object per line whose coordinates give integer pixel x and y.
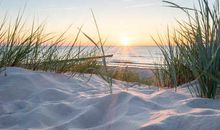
{"type": "Point", "coordinates": [40, 100]}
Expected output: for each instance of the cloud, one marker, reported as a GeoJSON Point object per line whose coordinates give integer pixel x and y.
{"type": "Point", "coordinates": [141, 0]}
{"type": "Point", "coordinates": [142, 5]}
{"type": "Point", "coordinates": [58, 8]}
{"type": "Point", "coordinates": [127, 0]}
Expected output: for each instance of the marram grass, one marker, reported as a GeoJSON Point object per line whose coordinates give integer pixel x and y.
{"type": "Point", "coordinates": [37, 50]}
{"type": "Point", "coordinates": [33, 48]}
{"type": "Point", "coordinates": [197, 55]}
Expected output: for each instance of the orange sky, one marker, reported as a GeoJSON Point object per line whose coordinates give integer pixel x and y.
{"type": "Point", "coordinates": [121, 22]}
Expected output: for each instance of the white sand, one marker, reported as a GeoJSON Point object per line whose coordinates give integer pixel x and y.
{"type": "Point", "coordinates": [38, 100]}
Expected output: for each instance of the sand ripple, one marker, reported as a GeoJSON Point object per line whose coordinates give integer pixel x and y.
{"type": "Point", "coordinates": [38, 100]}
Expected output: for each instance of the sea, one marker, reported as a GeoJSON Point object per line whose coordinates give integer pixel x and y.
{"type": "Point", "coordinates": [138, 56]}
{"type": "Point", "coordinates": [128, 56]}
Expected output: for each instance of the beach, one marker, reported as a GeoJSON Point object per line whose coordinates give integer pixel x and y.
{"type": "Point", "coordinates": [110, 65]}
{"type": "Point", "coordinates": [46, 100]}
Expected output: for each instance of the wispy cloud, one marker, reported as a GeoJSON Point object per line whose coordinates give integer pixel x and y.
{"type": "Point", "coordinates": [142, 5]}
{"type": "Point", "coordinates": [58, 8]}
{"type": "Point", "coordinates": [127, 0]}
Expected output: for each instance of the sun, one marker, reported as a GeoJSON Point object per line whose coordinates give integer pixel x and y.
{"type": "Point", "coordinates": [125, 41]}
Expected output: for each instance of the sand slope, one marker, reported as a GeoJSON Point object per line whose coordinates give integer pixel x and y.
{"type": "Point", "coordinates": [39, 100]}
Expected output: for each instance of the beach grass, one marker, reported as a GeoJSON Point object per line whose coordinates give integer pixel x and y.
{"type": "Point", "coordinates": [193, 50]}
{"type": "Point", "coordinates": [130, 75]}
{"type": "Point", "coordinates": [33, 48]}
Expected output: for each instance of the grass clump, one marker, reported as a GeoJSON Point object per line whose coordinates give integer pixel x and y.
{"type": "Point", "coordinates": [31, 47]}
{"type": "Point", "coordinates": [173, 72]}
{"type": "Point", "coordinates": [129, 75]}
{"type": "Point", "coordinates": [126, 75]}
{"type": "Point", "coordinates": [197, 54]}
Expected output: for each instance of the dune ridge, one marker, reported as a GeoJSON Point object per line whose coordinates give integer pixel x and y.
{"type": "Point", "coordinates": [42, 100]}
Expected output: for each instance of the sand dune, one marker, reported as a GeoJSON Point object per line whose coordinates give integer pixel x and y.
{"type": "Point", "coordinates": [40, 100]}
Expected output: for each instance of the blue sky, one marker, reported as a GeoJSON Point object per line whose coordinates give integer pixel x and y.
{"type": "Point", "coordinates": [132, 20]}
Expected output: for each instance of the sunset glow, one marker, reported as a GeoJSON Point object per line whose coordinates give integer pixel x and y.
{"type": "Point", "coordinates": [137, 19]}
{"type": "Point", "coordinates": [126, 41]}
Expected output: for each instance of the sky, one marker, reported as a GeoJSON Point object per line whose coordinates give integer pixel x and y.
{"type": "Point", "coordinates": [121, 22]}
